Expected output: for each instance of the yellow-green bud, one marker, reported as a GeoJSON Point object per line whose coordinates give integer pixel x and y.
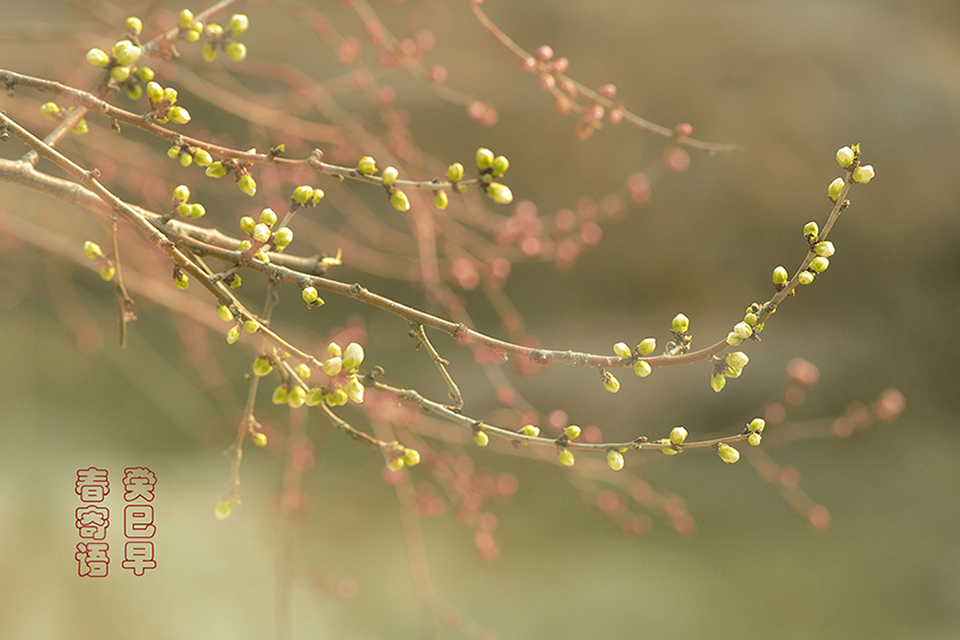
{"type": "Point", "coordinates": [155, 93]}
{"type": "Point", "coordinates": [734, 340]}
{"type": "Point", "coordinates": [530, 430]}
{"type": "Point", "coordinates": [819, 264]}
{"type": "Point", "coordinates": [337, 399]}
{"type": "Point", "coordinates": [481, 438]}
{"type": "Point", "coordinates": [751, 319]}
{"type": "Point", "coordinates": [208, 51]}
{"type": "Point", "coordinates": [134, 25]}
{"type": "Point", "coordinates": [806, 277]}
{"type": "Point", "coordinates": [500, 166]}
{"type": "Point", "coordinates": [170, 95]}
{"type": "Point", "coordinates": [864, 174]}
{"type": "Point", "coordinates": [743, 330]}
{"type": "Point", "coordinates": [400, 201]}
{"type": "Point", "coordinates": [186, 159]}
{"type": "Point", "coordinates": [192, 34]}
{"type": "Point", "coordinates": [280, 395]}
{"type": "Point", "coordinates": [49, 110]}
{"type": "Point", "coordinates": [572, 432]}
{"type": "Point", "coordinates": [239, 23]}
{"type": "Point", "coordinates": [728, 454]}
{"type": "Point", "coordinates": [268, 217]}
{"type": "Point", "coordinates": [622, 350]}
{"type": "Point", "coordinates": [181, 193]}
{"type": "Point", "coordinates": [389, 175]}
{"type": "Point", "coordinates": [297, 397]}
{"type": "Point", "coordinates": [780, 276]}
{"type": "Point", "coordinates": [197, 210]}
{"type": "Point", "coordinates": [309, 294]}
{"type": "Point", "coordinates": [825, 248]}
{"type": "Point", "coordinates": [214, 30]}
{"type": "Point", "coordinates": [718, 382]}
{"type": "Point", "coordinates": [367, 165]}
{"type": "Point", "coordinates": [98, 57]}
{"type": "Point", "coordinates": [610, 383]}
{"type": "Point", "coordinates": [260, 439]}
{"type": "Point", "coordinates": [499, 193]}
{"type": "Point", "coordinates": [845, 156]}
{"type": "Point", "coordinates": [237, 51]}
{"type": "Point", "coordinates": [223, 510]}
{"type": "Point", "coordinates": [678, 435]}
{"type": "Point", "coordinates": [811, 231]}
{"type": "Point", "coordinates": [737, 359]}
{"type": "Point", "coordinates": [484, 158]}
{"type": "Point", "coordinates": [217, 170]}
{"type": "Point", "coordinates": [355, 389]}
{"type": "Point", "coordinates": [333, 366]}
{"type": "Point", "coordinates": [395, 464]}
{"type": "Point", "coordinates": [667, 451]}
{"type": "Point", "coordinates": [120, 74]}
{"type": "Point", "coordinates": [411, 457]}
{"type": "Point", "coordinates": [247, 184]}
{"type": "Point", "coordinates": [247, 224]}
{"type": "Point", "coordinates": [251, 326]}
{"type": "Point", "coordinates": [441, 200]}
{"type": "Point", "coordinates": [283, 237]}
{"type": "Point", "coordinates": [134, 91]}
{"type": "Point", "coordinates": [233, 335]}
{"type": "Point", "coordinates": [145, 74]}
{"type": "Point", "coordinates": [317, 195]}
{"type": "Point", "coordinates": [333, 350]}
{"type": "Point", "coordinates": [126, 52]}
{"type": "Point", "coordinates": [179, 115]}
{"type": "Point", "coordinates": [92, 250]}
{"type": "Point", "coordinates": [680, 323]}
{"type": "Point", "coordinates": [642, 368]}
{"type": "Point", "coordinates": [302, 193]}
{"type": "Point", "coordinates": [262, 366]}
{"type": "Point", "coordinates": [224, 313]}
{"type": "Point", "coordinates": [173, 152]}
{"type": "Point", "coordinates": [615, 460]}
{"type": "Point", "coordinates": [757, 424]}
{"type": "Point", "coordinates": [455, 172]}
{"type": "Point", "coordinates": [261, 232]}
{"type": "Point", "coordinates": [107, 272]}
{"type": "Point", "coordinates": [261, 256]}
{"type": "Point", "coordinates": [314, 397]}
{"type": "Point", "coordinates": [647, 346]}
{"type": "Point", "coordinates": [182, 280]}
{"type": "Point", "coordinates": [185, 17]}
{"type": "Point", "coordinates": [565, 457]}
{"type": "Point", "coordinates": [835, 189]}
{"type": "Point", "coordinates": [754, 439]}
{"type": "Point", "coordinates": [236, 281]}
{"type": "Point", "coordinates": [352, 356]}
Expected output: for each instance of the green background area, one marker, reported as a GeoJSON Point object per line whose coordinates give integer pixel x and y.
{"type": "Point", "coordinates": [792, 82]}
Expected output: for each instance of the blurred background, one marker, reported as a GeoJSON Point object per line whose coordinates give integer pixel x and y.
{"type": "Point", "coordinates": [789, 81]}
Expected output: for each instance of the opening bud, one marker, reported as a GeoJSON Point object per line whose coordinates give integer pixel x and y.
{"type": "Point", "coordinates": [455, 172]}
{"type": "Point", "coordinates": [845, 156]}
{"type": "Point", "coordinates": [678, 435]}
{"type": "Point", "coordinates": [647, 346]}
{"type": "Point", "coordinates": [864, 174]}
{"type": "Point", "coordinates": [642, 368]}
{"type": "Point", "coordinates": [680, 323]}
{"type": "Point", "coordinates": [615, 460]}
{"type": "Point", "coordinates": [389, 176]}
{"type": "Point", "coordinates": [622, 350]}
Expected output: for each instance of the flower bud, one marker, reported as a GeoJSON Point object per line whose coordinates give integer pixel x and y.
{"type": "Point", "coordinates": [572, 432]}
{"type": "Point", "coordinates": [481, 438]}
{"type": "Point", "coordinates": [317, 195]}
{"type": "Point", "coordinates": [251, 326]}
{"type": "Point", "coordinates": [296, 397]}
{"type": "Point", "coordinates": [337, 399]}
{"type": "Point", "coordinates": [208, 51]}
{"type": "Point", "coordinates": [145, 74]}
{"type": "Point", "coordinates": [734, 340]}
{"type": "Point", "coordinates": [395, 464]}
{"type": "Point", "coordinates": [647, 346]}
{"type": "Point", "coordinates": [455, 172]}
{"type": "Point", "coordinates": [126, 52]}
{"type": "Point", "coordinates": [197, 210]}
{"type": "Point", "coordinates": [819, 264]}
{"type": "Point", "coordinates": [98, 57]}
{"type": "Point", "coordinates": [283, 237]}
{"type": "Point", "coordinates": [811, 231]}
{"type": "Point", "coordinates": [622, 350]}
{"type": "Point", "coordinates": [224, 313]}
{"type": "Point", "coordinates": [192, 34]}
{"type": "Point", "coordinates": [743, 330]}
{"type": "Point", "coordinates": [680, 323]}
{"type": "Point", "coordinates": [237, 51]}
{"type": "Point", "coordinates": [186, 159]}
{"type": "Point", "coordinates": [500, 166]}
{"type": "Point", "coordinates": [751, 319]}
{"type": "Point", "coordinates": [134, 91]}
{"type": "Point", "coordinates": [179, 115]}
{"type": "Point", "coordinates": [367, 165]}
{"type": "Point", "coordinates": [389, 176]}
{"type": "Point", "coordinates": [845, 156]}
{"type": "Point", "coordinates": [333, 366]}
{"type": "Point", "coordinates": [280, 395]}
{"type": "Point", "coordinates": [247, 184]}
{"type": "Point", "coordinates": [754, 439]}
{"type": "Point", "coordinates": [92, 250]}
{"type": "Point", "coordinates": [261, 232]}
{"type": "Point", "coordinates": [835, 189]}
{"type": "Point", "coordinates": [302, 193]}
{"type": "Point", "coordinates": [107, 272]}
{"type": "Point", "coordinates": [333, 350]}
{"type": "Point", "coordinates": [642, 368]}
{"type": "Point", "coordinates": [352, 356]}
{"type": "Point", "coordinates": [864, 174]}
{"type": "Point", "coordinates": [565, 457]}
{"type": "Point", "coordinates": [806, 277]}
{"type": "Point", "coordinates": [530, 430]}
{"type": "Point", "coordinates": [678, 435]}
{"type": "Point", "coordinates": [825, 248]}
{"type": "Point", "coordinates": [610, 383]}
{"type": "Point", "coordinates": [244, 245]}
{"type": "Point", "coordinates": [499, 193]}
{"type": "Point", "coordinates": [737, 360]}
{"type": "Point", "coordinates": [134, 25]}
{"type": "Point", "coordinates": [484, 158]}
{"type": "Point", "coordinates": [667, 451]}
{"type": "Point", "coordinates": [181, 193]}
{"type": "Point", "coordinates": [239, 23]}
{"type": "Point", "coordinates": [615, 460]}
{"type": "Point", "coordinates": [120, 74]}
{"type": "Point", "coordinates": [185, 18]}
{"type": "Point", "coordinates": [400, 201]}
{"type": "Point", "coordinates": [223, 510]}
{"type": "Point", "coordinates": [441, 200]}
{"type": "Point", "coordinates": [262, 366]}
{"type": "Point", "coordinates": [718, 382]}
{"type": "Point", "coordinates": [355, 389]}
{"type": "Point", "coordinates": [233, 335]}
{"type": "Point", "coordinates": [217, 170]}
{"type": "Point", "coordinates": [309, 294]}
{"type": "Point", "coordinates": [314, 397]}
{"type": "Point", "coordinates": [757, 424]}
{"type": "Point", "coordinates": [260, 439]}
{"type": "Point", "coordinates": [411, 457]}
{"type": "Point", "coordinates": [780, 276]}
{"type": "Point", "coordinates": [728, 454]}
{"type": "Point", "coordinates": [247, 224]}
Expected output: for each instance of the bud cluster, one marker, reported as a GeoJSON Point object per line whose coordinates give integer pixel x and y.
{"type": "Point", "coordinates": [730, 366]}
{"type": "Point", "coordinates": [681, 337]}
{"type": "Point", "coordinates": [93, 252]}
